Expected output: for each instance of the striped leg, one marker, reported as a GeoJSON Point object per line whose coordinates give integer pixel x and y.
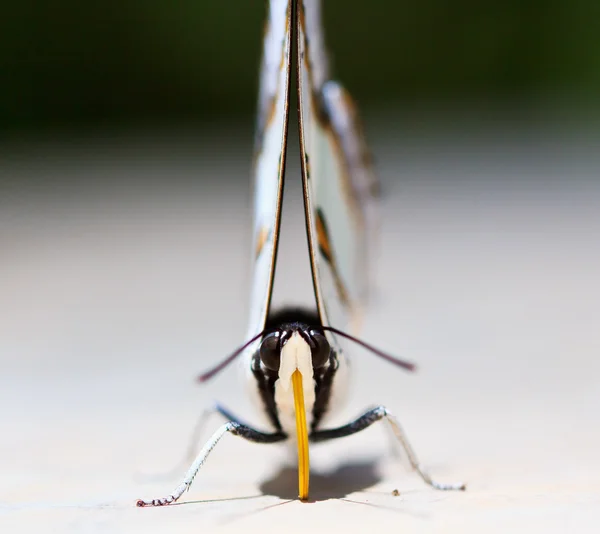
{"type": "Point", "coordinates": [365, 421]}
{"type": "Point", "coordinates": [233, 428]}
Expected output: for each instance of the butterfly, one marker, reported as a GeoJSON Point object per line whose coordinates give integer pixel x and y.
{"type": "Point", "coordinates": [294, 359]}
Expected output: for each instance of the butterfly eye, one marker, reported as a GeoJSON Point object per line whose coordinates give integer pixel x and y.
{"type": "Point", "coordinates": [270, 350]}
{"type": "Point", "coordinates": [320, 349]}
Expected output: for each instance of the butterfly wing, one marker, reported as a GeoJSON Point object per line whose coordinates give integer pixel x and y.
{"type": "Point", "coordinates": [269, 159]}
{"type": "Point", "coordinates": [339, 183]}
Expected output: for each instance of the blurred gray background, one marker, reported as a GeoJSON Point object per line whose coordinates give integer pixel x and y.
{"type": "Point", "coordinates": [126, 135]}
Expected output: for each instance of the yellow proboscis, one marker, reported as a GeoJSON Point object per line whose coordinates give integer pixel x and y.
{"type": "Point", "coordinates": [302, 436]}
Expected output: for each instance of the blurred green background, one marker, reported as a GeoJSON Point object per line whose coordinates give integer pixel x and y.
{"type": "Point", "coordinates": [73, 64]}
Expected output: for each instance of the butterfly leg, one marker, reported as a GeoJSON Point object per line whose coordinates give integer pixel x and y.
{"type": "Point", "coordinates": [216, 408]}
{"type": "Point", "coordinates": [365, 421]}
{"type": "Point", "coordinates": [231, 427]}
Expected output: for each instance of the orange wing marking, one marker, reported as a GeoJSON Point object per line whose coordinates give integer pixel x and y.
{"type": "Point", "coordinates": [261, 239]}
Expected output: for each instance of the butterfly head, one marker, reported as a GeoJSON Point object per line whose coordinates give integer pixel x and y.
{"type": "Point", "coordinates": [294, 346]}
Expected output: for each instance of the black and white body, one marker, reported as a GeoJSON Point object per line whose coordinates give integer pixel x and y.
{"type": "Point", "coordinates": [295, 366]}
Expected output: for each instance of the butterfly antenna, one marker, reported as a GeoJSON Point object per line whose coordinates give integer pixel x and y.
{"type": "Point", "coordinates": [219, 367]}
{"type": "Point", "coordinates": [409, 366]}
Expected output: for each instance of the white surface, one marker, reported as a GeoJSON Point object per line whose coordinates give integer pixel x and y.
{"type": "Point", "coordinates": [117, 286]}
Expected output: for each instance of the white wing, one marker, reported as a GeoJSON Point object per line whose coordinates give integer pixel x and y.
{"type": "Point", "coordinates": [269, 160]}
{"type": "Point", "coordinates": [339, 183]}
